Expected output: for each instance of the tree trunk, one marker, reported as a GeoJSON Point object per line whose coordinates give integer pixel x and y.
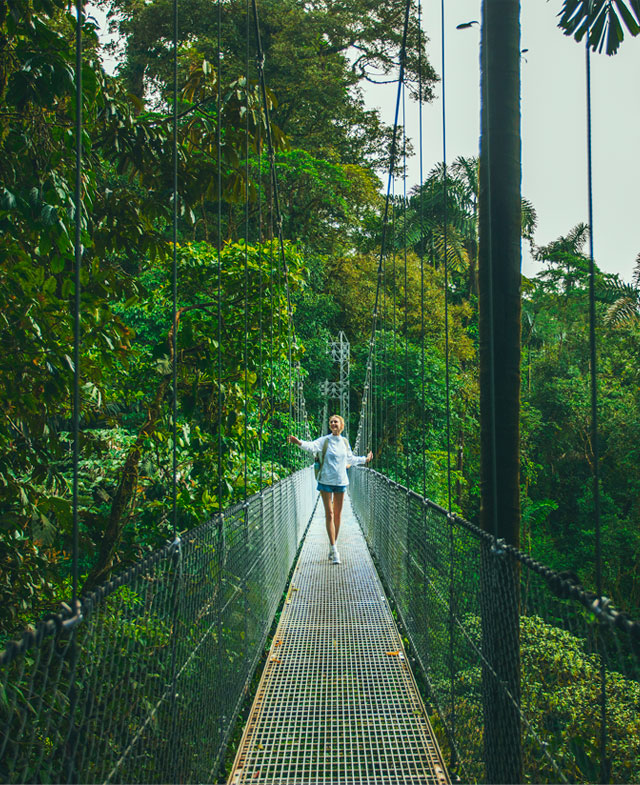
{"type": "Point", "coordinates": [499, 325]}
{"type": "Point", "coordinates": [125, 493]}
{"type": "Point", "coordinates": [129, 477]}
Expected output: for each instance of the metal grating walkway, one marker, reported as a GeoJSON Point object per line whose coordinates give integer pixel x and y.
{"type": "Point", "coordinates": [337, 702]}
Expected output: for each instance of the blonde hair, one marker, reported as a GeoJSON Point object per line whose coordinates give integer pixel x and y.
{"type": "Point", "coordinates": [341, 420]}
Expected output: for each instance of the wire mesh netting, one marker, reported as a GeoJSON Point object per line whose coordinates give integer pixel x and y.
{"type": "Point", "coordinates": [147, 687]}
{"type": "Point", "coordinates": [337, 701]}
{"type": "Point", "coordinates": [514, 654]}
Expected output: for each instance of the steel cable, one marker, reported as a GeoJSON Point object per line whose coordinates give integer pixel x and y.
{"type": "Point", "coordinates": [452, 543]}
{"type": "Point", "coordinates": [246, 259]}
{"type": "Point", "coordinates": [219, 242]}
{"type": "Point", "coordinates": [557, 615]}
{"type": "Point", "coordinates": [406, 285]}
{"type": "Point", "coordinates": [423, 445]}
{"type": "Point", "coordinates": [177, 560]}
{"type": "Point", "coordinates": [593, 380]}
{"type": "Point", "coordinates": [385, 220]}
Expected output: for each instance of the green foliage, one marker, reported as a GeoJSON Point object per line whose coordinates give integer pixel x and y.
{"type": "Point", "coordinates": [308, 50]}
{"type": "Point", "coordinates": [125, 311]}
{"type": "Point", "coordinates": [560, 694]}
{"type": "Point", "coordinates": [556, 444]}
{"type": "Point", "coordinates": [601, 20]}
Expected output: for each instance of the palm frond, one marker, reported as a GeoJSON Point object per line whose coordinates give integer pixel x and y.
{"type": "Point", "coordinates": [456, 254]}
{"type": "Point", "coordinates": [625, 311]}
{"type": "Point", "coordinates": [529, 219]}
{"type": "Point", "coordinates": [636, 272]}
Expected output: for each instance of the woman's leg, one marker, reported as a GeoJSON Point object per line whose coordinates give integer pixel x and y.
{"type": "Point", "coordinates": [328, 514]}
{"type": "Point", "coordinates": [338, 499]}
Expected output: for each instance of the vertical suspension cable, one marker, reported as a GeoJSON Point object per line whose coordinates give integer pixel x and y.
{"type": "Point", "coordinates": [445, 197]}
{"type": "Point", "coordinates": [406, 322]}
{"type": "Point", "coordinates": [77, 305]}
{"type": "Point", "coordinates": [72, 739]}
{"type": "Point", "coordinates": [174, 283]}
{"type": "Point", "coordinates": [423, 445]}
{"type": "Point", "coordinates": [260, 314]}
{"type": "Point", "coordinates": [381, 260]}
{"type": "Point", "coordinates": [376, 394]}
{"type": "Point", "coordinates": [246, 266]}
{"type": "Point", "coordinates": [282, 259]}
{"type": "Point", "coordinates": [245, 347]}
{"type": "Point", "coordinates": [385, 367]}
{"type": "Point", "coordinates": [604, 764]}
{"type": "Point", "coordinates": [220, 521]}
{"type": "Point", "coordinates": [592, 334]}
{"type": "Point", "coordinates": [395, 335]}
{"type": "Point", "coordinates": [447, 386]}
{"type": "Point", "coordinates": [219, 248]}
{"type": "Point", "coordinates": [177, 561]}
{"type": "Point", "coordinates": [272, 398]}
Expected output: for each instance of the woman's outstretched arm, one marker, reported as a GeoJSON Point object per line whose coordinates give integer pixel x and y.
{"type": "Point", "coordinates": [357, 460]}
{"type": "Point", "coordinates": [313, 447]}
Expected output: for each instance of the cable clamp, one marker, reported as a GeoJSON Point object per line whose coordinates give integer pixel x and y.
{"type": "Point", "coordinates": [498, 547]}
{"type": "Point", "coordinates": [177, 543]}
{"type": "Point", "coordinates": [73, 621]}
{"type": "Point", "coordinates": [603, 609]}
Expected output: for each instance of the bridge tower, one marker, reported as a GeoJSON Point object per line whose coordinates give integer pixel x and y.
{"type": "Point", "coordinates": [339, 349]}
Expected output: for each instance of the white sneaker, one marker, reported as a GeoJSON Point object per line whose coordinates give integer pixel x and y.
{"type": "Point", "coordinates": [336, 558]}
{"type": "Point", "coordinates": [331, 555]}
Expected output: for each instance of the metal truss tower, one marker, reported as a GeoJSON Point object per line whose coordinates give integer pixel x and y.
{"type": "Point", "coordinates": [339, 350]}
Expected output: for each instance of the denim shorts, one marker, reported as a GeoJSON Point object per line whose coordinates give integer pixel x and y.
{"type": "Point", "coordinates": [332, 488]}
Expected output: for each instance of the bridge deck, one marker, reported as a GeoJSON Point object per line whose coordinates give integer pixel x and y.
{"type": "Point", "coordinates": [337, 702]}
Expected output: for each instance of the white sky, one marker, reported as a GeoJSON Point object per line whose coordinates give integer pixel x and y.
{"type": "Point", "coordinates": [553, 125]}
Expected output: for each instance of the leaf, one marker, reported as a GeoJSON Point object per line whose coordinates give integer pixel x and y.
{"type": "Point", "coordinates": [57, 264]}
{"type": "Point", "coordinates": [49, 215]}
{"type": "Point", "coordinates": [602, 19]}
{"type": "Point", "coordinates": [7, 200]}
{"type": "Point", "coordinates": [632, 24]}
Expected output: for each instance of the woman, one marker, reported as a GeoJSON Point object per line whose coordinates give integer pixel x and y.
{"type": "Point", "coordinates": [335, 455]}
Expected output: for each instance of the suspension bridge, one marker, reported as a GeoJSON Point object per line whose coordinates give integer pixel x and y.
{"type": "Point", "coordinates": [437, 651]}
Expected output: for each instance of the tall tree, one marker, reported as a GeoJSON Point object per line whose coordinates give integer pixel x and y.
{"type": "Point", "coordinates": [316, 56]}
{"type": "Point", "coordinates": [500, 219]}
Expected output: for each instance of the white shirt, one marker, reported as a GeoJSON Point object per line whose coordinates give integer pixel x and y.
{"type": "Point", "coordinates": [336, 458]}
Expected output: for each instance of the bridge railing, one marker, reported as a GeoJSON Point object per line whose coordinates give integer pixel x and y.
{"type": "Point", "coordinates": [148, 685]}
{"type": "Point", "coordinates": [452, 584]}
